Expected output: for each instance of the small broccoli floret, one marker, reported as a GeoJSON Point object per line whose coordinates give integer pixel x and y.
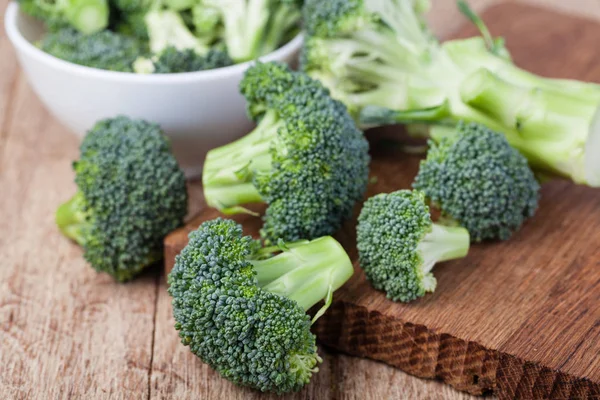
{"type": "Point", "coordinates": [104, 50]}
{"type": "Point", "coordinates": [256, 27]}
{"type": "Point", "coordinates": [379, 58]}
{"type": "Point", "coordinates": [131, 193]}
{"type": "Point", "coordinates": [166, 28]}
{"type": "Point", "coordinates": [132, 24]}
{"type": "Point", "coordinates": [87, 16]}
{"type": "Point", "coordinates": [242, 309]}
{"type": "Point", "coordinates": [306, 159]}
{"type": "Point", "coordinates": [172, 60]}
{"type": "Point", "coordinates": [398, 244]}
{"type": "Point", "coordinates": [478, 180]}
{"type": "Point", "coordinates": [207, 21]}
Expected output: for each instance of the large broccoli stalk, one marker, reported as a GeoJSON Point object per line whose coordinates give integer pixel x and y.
{"type": "Point", "coordinates": [399, 245]}
{"type": "Point", "coordinates": [242, 309]}
{"type": "Point", "coordinates": [131, 194]}
{"type": "Point", "coordinates": [379, 58]}
{"type": "Point", "coordinates": [305, 159]}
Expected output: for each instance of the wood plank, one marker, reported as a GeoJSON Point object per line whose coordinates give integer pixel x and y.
{"type": "Point", "coordinates": [516, 318]}
{"type": "Point", "coordinates": [8, 78]}
{"type": "Point", "coordinates": [65, 331]}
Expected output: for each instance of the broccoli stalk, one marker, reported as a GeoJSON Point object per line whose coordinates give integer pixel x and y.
{"type": "Point", "coordinates": [379, 59]}
{"type": "Point", "coordinates": [87, 16]}
{"type": "Point", "coordinates": [442, 243]}
{"type": "Point", "coordinates": [255, 27]}
{"type": "Point", "coordinates": [166, 29]}
{"type": "Point", "coordinates": [242, 309]}
{"type": "Point", "coordinates": [305, 271]}
{"type": "Point", "coordinates": [398, 244]}
{"type": "Point", "coordinates": [73, 220]}
{"type": "Point", "coordinates": [229, 170]}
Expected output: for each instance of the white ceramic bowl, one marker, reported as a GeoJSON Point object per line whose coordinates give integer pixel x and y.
{"type": "Point", "coordinates": [197, 110]}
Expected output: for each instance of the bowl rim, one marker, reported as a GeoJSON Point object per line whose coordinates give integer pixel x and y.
{"type": "Point", "coordinates": [25, 46]}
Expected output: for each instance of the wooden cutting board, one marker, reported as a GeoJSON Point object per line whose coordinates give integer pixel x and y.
{"type": "Point", "coordinates": [521, 318]}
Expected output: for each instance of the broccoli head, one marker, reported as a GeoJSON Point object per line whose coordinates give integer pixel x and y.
{"type": "Point", "coordinates": [479, 181]}
{"type": "Point", "coordinates": [172, 60]}
{"type": "Point", "coordinates": [87, 16]}
{"type": "Point", "coordinates": [306, 159]}
{"type": "Point", "coordinates": [104, 50]}
{"type": "Point", "coordinates": [242, 309]}
{"type": "Point", "coordinates": [398, 244]}
{"type": "Point", "coordinates": [131, 193]}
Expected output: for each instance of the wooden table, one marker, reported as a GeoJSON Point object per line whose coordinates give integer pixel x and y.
{"type": "Point", "coordinates": [67, 332]}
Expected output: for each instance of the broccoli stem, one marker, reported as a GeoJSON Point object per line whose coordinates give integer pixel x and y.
{"type": "Point", "coordinates": [244, 28]}
{"type": "Point", "coordinates": [72, 219]}
{"type": "Point", "coordinates": [472, 54]}
{"type": "Point", "coordinates": [307, 272]}
{"type": "Point", "coordinates": [443, 243]}
{"type": "Point", "coordinates": [229, 170]}
{"type": "Point", "coordinates": [282, 21]}
{"type": "Point", "coordinates": [551, 129]}
{"type": "Point", "coordinates": [87, 16]}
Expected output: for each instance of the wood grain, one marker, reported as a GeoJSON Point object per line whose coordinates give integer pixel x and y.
{"type": "Point", "coordinates": [518, 318]}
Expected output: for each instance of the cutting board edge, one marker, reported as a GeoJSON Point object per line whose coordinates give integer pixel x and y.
{"type": "Point", "coordinates": [467, 366]}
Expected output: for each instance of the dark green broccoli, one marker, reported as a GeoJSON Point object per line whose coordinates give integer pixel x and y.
{"type": "Point", "coordinates": [87, 16]}
{"type": "Point", "coordinates": [380, 59]}
{"type": "Point", "coordinates": [172, 60]}
{"type": "Point", "coordinates": [398, 244]}
{"type": "Point", "coordinates": [306, 159]}
{"type": "Point", "coordinates": [242, 309]}
{"type": "Point", "coordinates": [256, 27]}
{"type": "Point", "coordinates": [480, 182]}
{"type": "Point", "coordinates": [132, 24]}
{"type": "Point", "coordinates": [104, 50]}
{"type": "Point", "coordinates": [131, 193]}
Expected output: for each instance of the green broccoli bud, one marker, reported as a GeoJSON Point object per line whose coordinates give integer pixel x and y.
{"type": "Point", "coordinates": [103, 50]}
{"type": "Point", "coordinates": [131, 194]}
{"type": "Point", "coordinates": [478, 180]}
{"type": "Point", "coordinates": [172, 60]}
{"type": "Point", "coordinates": [399, 245]}
{"type": "Point", "coordinates": [296, 160]}
{"type": "Point", "coordinates": [87, 16]}
{"type": "Point", "coordinates": [242, 309]}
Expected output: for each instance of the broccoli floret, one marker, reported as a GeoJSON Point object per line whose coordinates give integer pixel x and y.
{"type": "Point", "coordinates": [478, 180]}
{"type": "Point", "coordinates": [104, 50]}
{"type": "Point", "coordinates": [87, 16]}
{"type": "Point", "coordinates": [242, 309]}
{"type": "Point", "coordinates": [398, 244]}
{"type": "Point", "coordinates": [306, 159]}
{"type": "Point", "coordinates": [256, 27]}
{"type": "Point", "coordinates": [131, 193]}
{"type": "Point", "coordinates": [207, 21]}
{"type": "Point", "coordinates": [166, 28]}
{"type": "Point", "coordinates": [379, 58]}
{"type": "Point", "coordinates": [172, 60]}
{"type": "Point", "coordinates": [132, 24]}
